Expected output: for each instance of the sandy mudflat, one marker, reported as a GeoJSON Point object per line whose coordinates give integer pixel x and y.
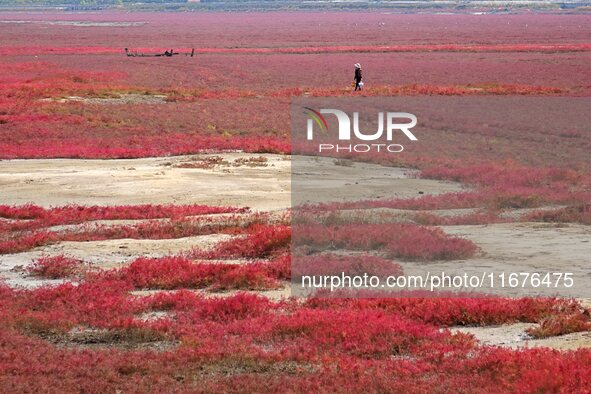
{"type": "Point", "coordinates": [101, 254]}
{"type": "Point", "coordinates": [521, 247]}
{"type": "Point", "coordinates": [158, 181]}
{"type": "Point", "coordinates": [143, 181]}
{"type": "Point", "coordinates": [515, 336]}
{"type": "Point", "coordinates": [265, 185]}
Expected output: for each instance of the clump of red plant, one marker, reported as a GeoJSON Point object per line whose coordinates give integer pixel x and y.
{"type": "Point", "coordinates": [55, 267]}
{"type": "Point", "coordinates": [261, 241]}
{"type": "Point", "coordinates": [567, 317]}
{"type": "Point", "coordinates": [404, 241]}
{"type": "Point", "coordinates": [179, 272]}
{"type": "Point", "coordinates": [580, 213]}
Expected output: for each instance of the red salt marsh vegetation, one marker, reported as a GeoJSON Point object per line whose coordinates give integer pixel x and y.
{"type": "Point", "coordinates": [201, 320]}
{"type": "Point", "coordinates": [93, 336]}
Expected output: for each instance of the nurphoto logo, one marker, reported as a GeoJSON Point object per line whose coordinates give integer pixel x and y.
{"type": "Point", "coordinates": [391, 122]}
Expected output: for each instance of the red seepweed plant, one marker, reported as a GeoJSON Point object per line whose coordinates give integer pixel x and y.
{"type": "Point", "coordinates": [55, 267]}
{"type": "Point", "coordinates": [104, 334]}
{"type": "Point", "coordinates": [405, 241]}
{"type": "Point", "coordinates": [27, 227]}
{"type": "Point", "coordinates": [179, 272]}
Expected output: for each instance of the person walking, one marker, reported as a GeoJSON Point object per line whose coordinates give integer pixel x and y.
{"type": "Point", "coordinates": [357, 79]}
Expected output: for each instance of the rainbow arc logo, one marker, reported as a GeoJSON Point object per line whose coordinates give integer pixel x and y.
{"type": "Point", "coordinates": [318, 118]}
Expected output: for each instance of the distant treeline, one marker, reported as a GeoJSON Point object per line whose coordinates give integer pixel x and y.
{"type": "Point", "coordinates": [180, 5]}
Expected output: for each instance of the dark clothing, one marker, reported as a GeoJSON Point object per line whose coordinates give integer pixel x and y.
{"type": "Point", "coordinates": [357, 78]}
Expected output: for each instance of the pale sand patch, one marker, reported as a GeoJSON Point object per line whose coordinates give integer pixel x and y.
{"type": "Point", "coordinates": [156, 181]}
{"type": "Point", "coordinates": [514, 336]}
{"type": "Point", "coordinates": [275, 295]}
{"type": "Point", "coordinates": [319, 180]}
{"type": "Point", "coordinates": [521, 247]}
{"type": "Point", "coordinates": [126, 98]}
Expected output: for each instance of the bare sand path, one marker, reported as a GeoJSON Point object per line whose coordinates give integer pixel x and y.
{"type": "Point", "coordinates": [264, 186]}
{"type": "Point", "coordinates": [521, 247]}
{"type": "Point", "coordinates": [514, 336]}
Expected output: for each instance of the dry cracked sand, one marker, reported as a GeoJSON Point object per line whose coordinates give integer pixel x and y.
{"type": "Point", "coordinates": [265, 186]}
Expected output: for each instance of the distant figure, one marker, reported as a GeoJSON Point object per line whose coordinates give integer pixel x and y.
{"type": "Point", "coordinates": [167, 53]}
{"type": "Point", "coordinates": [357, 79]}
